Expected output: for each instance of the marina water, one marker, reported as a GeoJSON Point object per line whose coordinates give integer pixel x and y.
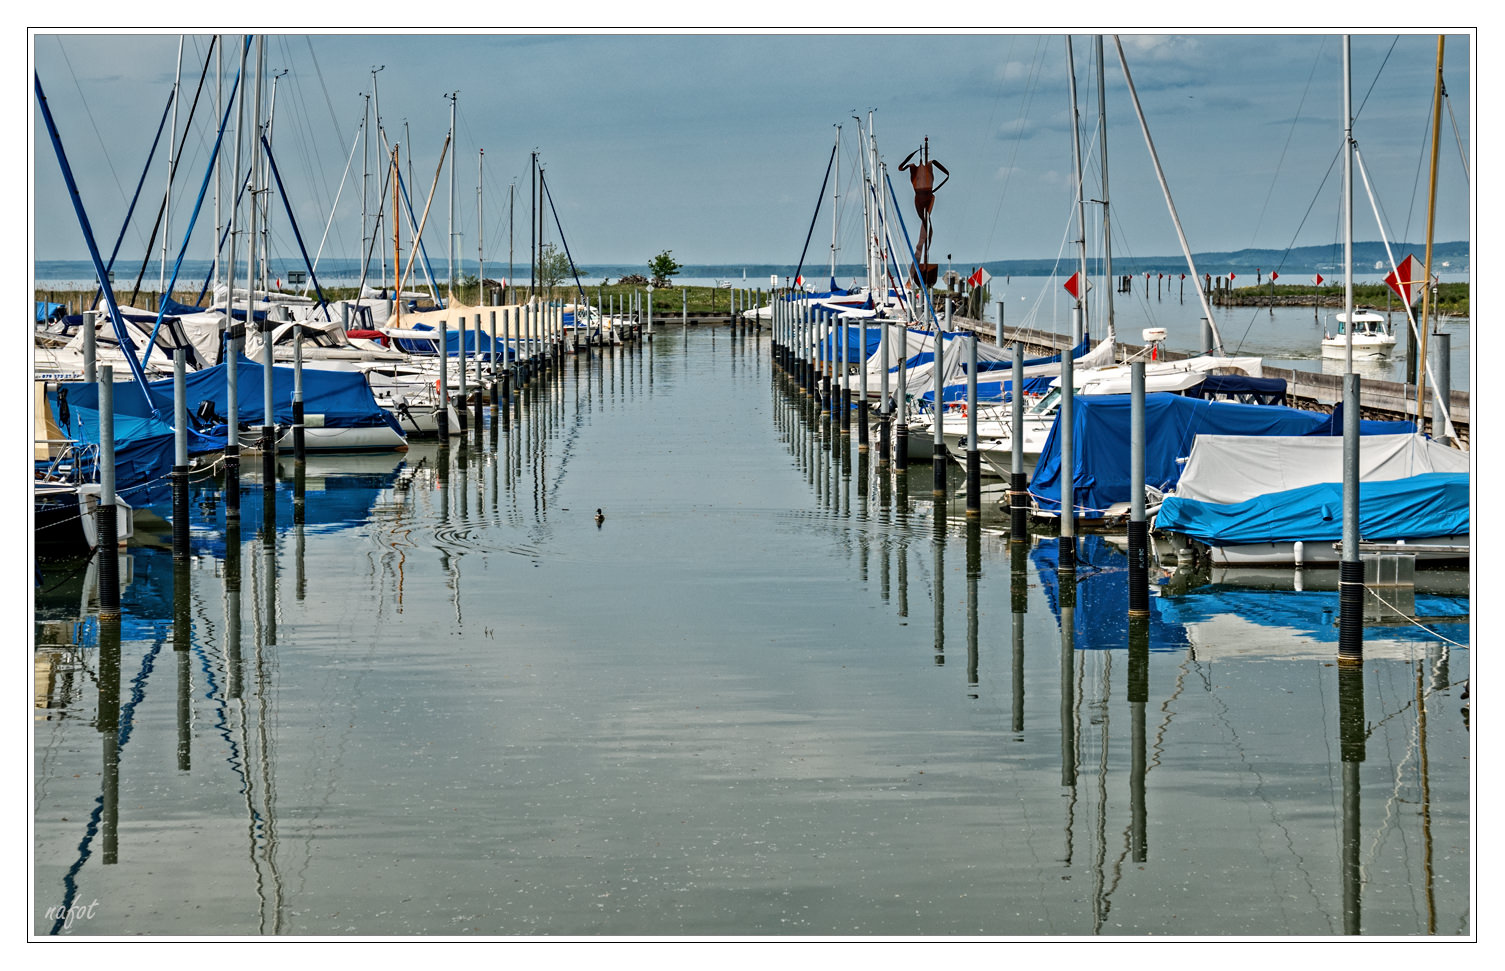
{"type": "Point", "coordinates": [776, 690]}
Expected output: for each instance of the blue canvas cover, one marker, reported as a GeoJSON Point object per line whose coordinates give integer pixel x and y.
{"type": "Point", "coordinates": [342, 397]}
{"type": "Point", "coordinates": [1429, 505]}
{"type": "Point", "coordinates": [143, 444]}
{"type": "Point", "coordinates": [1172, 422]}
{"type": "Point", "coordinates": [476, 344]}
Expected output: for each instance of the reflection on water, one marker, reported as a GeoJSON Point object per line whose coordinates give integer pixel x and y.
{"type": "Point", "coordinates": [778, 690]}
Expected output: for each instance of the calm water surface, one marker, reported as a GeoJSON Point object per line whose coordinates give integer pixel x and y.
{"type": "Point", "coordinates": [775, 692]}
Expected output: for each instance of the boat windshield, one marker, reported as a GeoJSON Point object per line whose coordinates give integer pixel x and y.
{"type": "Point", "coordinates": [1048, 403]}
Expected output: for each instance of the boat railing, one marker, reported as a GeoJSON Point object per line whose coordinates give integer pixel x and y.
{"type": "Point", "coordinates": [74, 464]}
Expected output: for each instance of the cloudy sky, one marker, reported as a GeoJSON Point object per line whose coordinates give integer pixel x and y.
{"type": "Point", "coordinates": [714, 145]}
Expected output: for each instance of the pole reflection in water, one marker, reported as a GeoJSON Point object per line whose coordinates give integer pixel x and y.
{"type": "Point", "coordinates": [1351, 731]}
{"type": "Point", "coordinates": [1019, 605]}
{"type": "Point", "coordinates": [938, 542]}
{"type": "Point", "coordinates": [109, 732]}
{"type": "Point", "coordinates": [182, 652]}
{"type": "Point", "coordinates": [1139, 696]}
{"type": "Point", "coordinates": [974, 573]}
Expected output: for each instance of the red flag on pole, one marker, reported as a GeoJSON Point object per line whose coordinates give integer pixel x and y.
{"type": "Point", "coordinates": [1407, 279]}
{"type": "Point", "coordinates": [975, 280]}
{"type": "Point", "coordinates": [1073, 285]}
{"type": "Point", "coordinates": [799, 280]}
{"type": "Point", "coordinates": [1319, 279]}
{"type": "Point", "coordinates": [1231, 276]}
{"type": "Point", "coordinates": [1274, 276]}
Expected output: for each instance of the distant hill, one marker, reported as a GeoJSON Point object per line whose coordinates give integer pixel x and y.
{"type": "Point", "coordinates": [1300, 261]}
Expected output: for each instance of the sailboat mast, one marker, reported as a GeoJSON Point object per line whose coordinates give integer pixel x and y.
{"type": "Point", "coordinates": [836, 201]}
{"type": "Point", "coordinates": [1426, 293]}
{"type": "Point", "coordinates": [532, 225]}
{"type": "Point", "coordinates": [1102, 140]}
{"type": "Point", "coordinates": [1081, 209]}
{"type": "Point", "coordinates": [172, 139]}
{"type": "Point", "coordinates": [875, 269]}
{"type": "Point", "coordinates": [1347, 211]}
{"type": "Point", "coordinates": [480, 232]}
{"type": "Point", "coordinates": [396, 251]}
{"type": "Point", "coordinates": [266, 181]}
{"type": "Point", "coordinates": [1165, 189]}
{"type": "Point", "coordinates": [449, 301]}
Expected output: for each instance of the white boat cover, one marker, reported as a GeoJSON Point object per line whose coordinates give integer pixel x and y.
{"type": "Point", "coordinates": [1226, 469]}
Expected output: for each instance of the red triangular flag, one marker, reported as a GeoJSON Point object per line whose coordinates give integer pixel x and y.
{"type": "Point", "coordinates": [799, 280]}
{"type": "Point", "coordinates": [976, 278]}
{"type": "Point", "coordinates": [1072, 285]}
{"type": "Point", "coordinates": [1274, 276]}
{"type": "Point", "coordinates": [1232, 275]}
{"type": "Point", "coordinates": [1406, 279]}
{"type": "Point", "coordinates": [1319, 279]}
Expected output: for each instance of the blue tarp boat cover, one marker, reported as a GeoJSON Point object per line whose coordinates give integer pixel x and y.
{"type": "Point", "coordinates": [342, 397]}
{"type": "Point", "coordinates": [475, 343]}
{"type": "Point", "coordinates": [49, 311]}
{"type": "Point", "coordinates": [143, 444]}
{"type": "Point", "coordinates": [993, 391]}
{"type": "Point", "coordinates": [1241, 387]}
{"type": "Point", "coordinates": [1430, 505]}
{"type": "Point", "coordinates": [1100, 432]}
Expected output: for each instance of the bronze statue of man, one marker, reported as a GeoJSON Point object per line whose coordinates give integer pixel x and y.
{"type": "Point", "coordinates": [922, 179]}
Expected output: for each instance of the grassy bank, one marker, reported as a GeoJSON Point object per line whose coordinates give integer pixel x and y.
{"type": "Point", "coordinates": [1452, 298]}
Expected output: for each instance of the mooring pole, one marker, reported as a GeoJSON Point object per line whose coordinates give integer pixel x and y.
{"type": "Point", "coordinates": [938, 449]}
{"type": "Point", "coordinates": [1351, 567]}
{"type": "Point", "coordinates": [496, 376]}
{"type": "Point", "coordinates": [232, 421]}
{"type": "Point", "coordinates": [998, 330]}
{"type": "Point", "coordinates": [885, 405]}
{"type": "Point", "coordinates": [105, 528]}
{"type": "Point", "coordinates": [1018, 525]}
{"type": "Point", "coordinates": [299, 435]}
{"type": "Point", "coordinates": [268, 426]}
{"type": "Point", "coordinates": [90, 337]}
{"type": "Point", "coordinates": [1067, 560]}
{"type": "Point", "coordinates": [974, 457]}
{"type": "Point", "coordinates": [862, 405]}
{"type": "Point", "coordinates": [180, 455]}
{"type": "Point", "coordinates": [1139, 528]}
{"type": "Point", "coordinates": [901, 402]}
{"type": "Point", "coordinates": [846, 376]}
{"type": "Point", "coordinates": [442, 418]}
{"type": "Point", "coordinates": [479, 386]}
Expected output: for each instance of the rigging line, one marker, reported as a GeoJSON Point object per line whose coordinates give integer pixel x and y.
{"type": "Point", "coordinates": [1457, 135]}
{"type": "Point", "coordinates": [1290, 133]}
{"type": "Point", "coordinates": [1008, 173]}
{"type": "Point", "coordinates": [1413, 620]}
{"type": "Point", "coordinates": [103, 150]}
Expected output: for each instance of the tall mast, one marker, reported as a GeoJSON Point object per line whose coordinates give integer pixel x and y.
{"type": "Point", "coordinates": [1081, 210]}
{"type": "Point", "coordinates": [266, 181]}
{"type": "Point", "coordinates": [1170, 204]}
{"type": "Point", "coordinates": [219, 112]}
{"type": "Point", "coordinates": [532, 225]}
{"type": "Point", "coordinates": [365, 186]}
{"type": "Point", "coordinates": [449, 301]}
{"type": "Point", "coordinates": [171, 142]}
{"type": "Point", "coordinates": [511, 212]}
{"type": "Point", "coordinates": [1102, 122]}
{"type": "Point", "coordinates": [376, 121]}
{"type": "Point", "coordinates": [835, 201]}
{"type": "Point", "coordinates": [875, 269]}
{"type": "Point", "coordinates": [480, 232]}
{"type": "Point", "coordinates": [396, 240]}
{"type": "Point", "coordinates": [1347, 213]}
{"type": "Point", "coordinates": [1426, 293]}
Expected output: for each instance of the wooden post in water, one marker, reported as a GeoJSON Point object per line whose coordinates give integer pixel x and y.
{"type": "Point", "coordinates": [105, 527]}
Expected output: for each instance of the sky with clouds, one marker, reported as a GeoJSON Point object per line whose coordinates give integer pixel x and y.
{"type": "Point", "coordinates": [714, 145]}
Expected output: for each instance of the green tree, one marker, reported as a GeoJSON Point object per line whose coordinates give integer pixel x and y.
{"type": "Point", "coordinates": [663, 266]}
{"type": "Point", "coordinates": [553, 266]}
